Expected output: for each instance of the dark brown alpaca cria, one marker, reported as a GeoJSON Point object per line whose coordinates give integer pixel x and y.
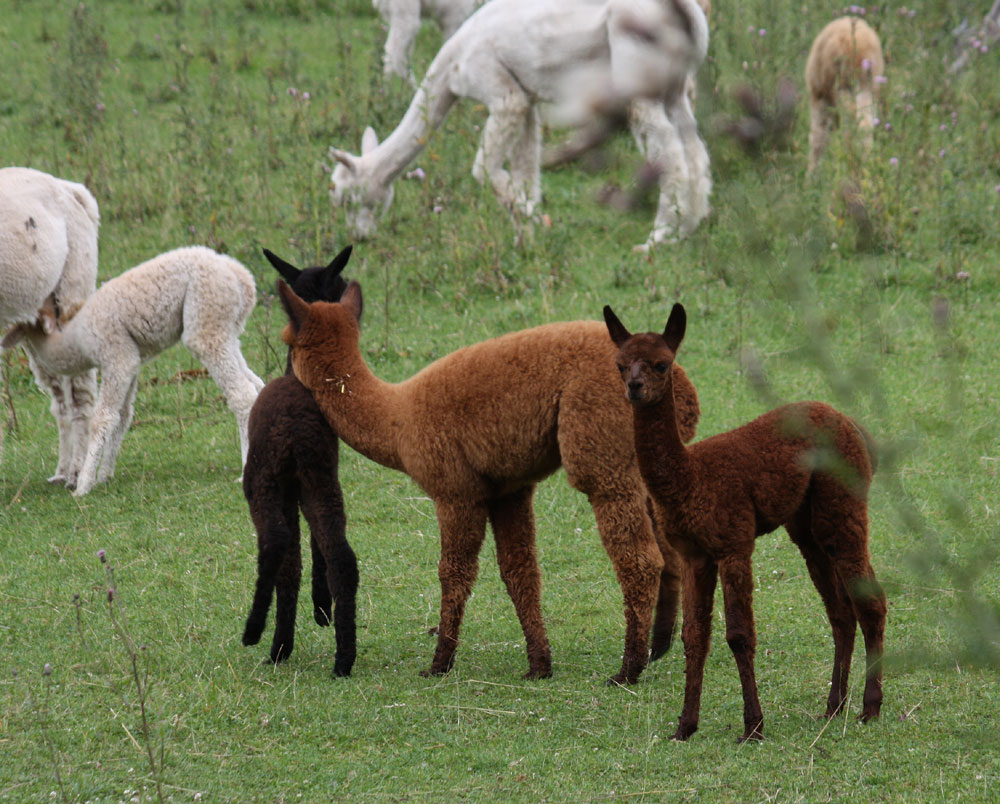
{"type": "Point", "coordinates": [805, 466]}
{"type": "Point", "coordinates": [477, 430]}
{"type": "Point", "coordinates": [292, 463]}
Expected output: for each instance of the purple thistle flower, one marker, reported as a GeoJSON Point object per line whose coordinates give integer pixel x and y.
{"type": "Point", "coordinates": [866, 65]}
{"type": "Point", "coordinates": [963, 276]}
{"type": "Point", "coordinates": [103, 556]}
{"type": "Point", "coordinates": [47, 670]}
{"type": "Point", "coordinates": [881, 79]}
{"type": "Point", "coordinates": [893, 161]}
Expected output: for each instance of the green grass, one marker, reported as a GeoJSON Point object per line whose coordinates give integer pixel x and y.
{"type": "Point", "coordinates": [178, 116]}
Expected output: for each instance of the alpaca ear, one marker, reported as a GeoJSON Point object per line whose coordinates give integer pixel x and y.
{"type": "Point", "coordinates": [13, 337]}
{"type": "Point", "coordinates": [338, 263]}
{"type": "Point", "coordinates": [286, 269]}
{"type": "Point", "coordinates": [673, 332]}
{"type": "Point", "coordinates": [353, 300]}
{"type": "Point", "coordinates": [369, 141]}
{"type": "Point", "coordinates": [347, 160]}
{"type": "Point", "coordinates": [616, 329]}
{"type": "Point", "coordinates": [296, 309]}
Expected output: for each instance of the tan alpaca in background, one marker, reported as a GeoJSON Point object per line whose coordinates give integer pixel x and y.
{"type": "Point", "coordinates": [843, 70]}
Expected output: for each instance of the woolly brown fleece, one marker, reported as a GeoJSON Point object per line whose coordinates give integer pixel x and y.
{"type": "Point", "coordinates": [477, 430]}
{"type": "Point", "coordinates": [805, 466]}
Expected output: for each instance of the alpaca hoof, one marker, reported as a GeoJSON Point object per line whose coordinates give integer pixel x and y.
{"type": "Point", "coordinates": [754, 736]}
{"type": "Point", "coordinates": [622, 679]}
{"type": "Point", "coordinates": [683, 732]}
{"type": "Point", "coordinates": [340, 671]}
{"type": "Point", "coordinates": [281, 653]}
{"type": "Point", "coordinates": [323, 615]}
{"type": "Point", "coordinates": [58, 479]}
{"type": "Point", "coordinates": [658, 651]}
{"type": "Point", "coordinates": [537, 672]}
{"type": "Point", "coordinates": [868, 714]}
{"type": "Point", "coordinates": [433, 631]}
{"type": "Point", "coordinates": [251, 636]}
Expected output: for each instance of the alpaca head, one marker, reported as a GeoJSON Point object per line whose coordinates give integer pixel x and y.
{"type": "Point", "coordinates": [323, 336]}
{"type": "Point", "coordinates": [352, 187]}
{"type": "Point", "coordinates": [44, 324]}
{"type": "Point", "coordinates": [645, 361]}
{"type": "Point", "coordinates": [318, 283]}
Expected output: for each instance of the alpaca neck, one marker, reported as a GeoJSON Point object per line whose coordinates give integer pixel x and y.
{"type": "Point", "coordinates": [60, 352]}
{"type": "Point", "coordinates": [428, 108]}
{"type": "Point", "coordinates": [664, 461]}
{"type": "Point", "coordinates": [363, 410]}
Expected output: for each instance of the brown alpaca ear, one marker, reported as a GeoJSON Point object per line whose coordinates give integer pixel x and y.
{"type": "Point", "coordinates": [616, 329]}
{"type": "Point", "coordinates": [673, 332]}
{"type": "Point", "coordinates": [353, 300]}
{"type": "Point", "coordinates": [296, 309]}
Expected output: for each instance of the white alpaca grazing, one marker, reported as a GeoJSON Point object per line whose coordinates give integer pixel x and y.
{"type": "Point", "coordinates": [844, 68]}
{"type": "Point", "coordinates": [48, 247]}
{"type": "Point", "coordinates": [403, 19]}
{"type": "Point", "coordinates": [583, 56]}
{"type": "Point", "coordinates": [190, 294]}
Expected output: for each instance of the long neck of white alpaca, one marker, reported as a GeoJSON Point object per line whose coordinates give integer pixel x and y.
{"type": "Point", "coordinates": [60, 352]}
{"type": "Point", "coordinates": [664, 461]}
{"type": "Point", "coordinates": [428, 108]}
{"type": "Point", "coordinates": [364, 411]}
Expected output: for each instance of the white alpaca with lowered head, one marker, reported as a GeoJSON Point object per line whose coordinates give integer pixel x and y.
{"type": "Point", "coordinates": [48, 247]}
{"type": "Point", "coordinates": [192, 295]}
{"type": "Point", "coordinates": [586, 58]}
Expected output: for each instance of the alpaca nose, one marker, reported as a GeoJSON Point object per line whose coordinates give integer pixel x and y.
{"type": "Point", "coordinates": [634, 387]}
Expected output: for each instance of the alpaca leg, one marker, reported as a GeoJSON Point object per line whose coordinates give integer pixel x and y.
{"type": "Point", "coordinates": [115, 384]}
{"type": "Point", "coordinates": [696, 157]}
{"type": "Point", "coordinates": [628, 539]}
{"type": "Point", "coordinates": [107, 469]}
{"type": "Point", "coordinates": [820, 126]}
{"type": "Point", "coordinates": [736, 575]}
{"type": "Point", "coordinates": [513, 522]}
{"type": "Point", "coordinates": [286, 588]}
{"type": "Point", "coordinates": [463, 526]}
{"type": "Point", "coordinates": [275, 534]}
{"type": "Point", "coordinates": [838, 607]}
{"type": "Point", "coordinates": [221, 355]}
{"type": "Point", "coordinates": [665, 150]}
{"type": "Point", "coordinates": [403, 19]}
{"type": "Point", "coordinates": [323, 507]}
{"type": "Point", "coordinates": [501, 132]}
{"type": "Point", "coordinates": [322, 598]}
{"type": "Point", "coordinates": [83, 390]}
{"type": "Point", "coordinates": [526, 164]}
{"type": "Point", "coordinates": [665, 615]}
{"type": "Point", "coordinates": [698, 576]}
{"type": "Point", "coordinates": [840, 527]}
{"type": "Point", "coordinates": [60, 406]}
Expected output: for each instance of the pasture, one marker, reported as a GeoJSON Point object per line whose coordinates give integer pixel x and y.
{"type": "Point", "coordinates": [873, 286]}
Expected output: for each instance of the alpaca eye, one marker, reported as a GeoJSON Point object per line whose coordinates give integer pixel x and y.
{"type": "Point", "coordinates": [660, 368]}
{"type": "Point", "coordinates": [621, 370]}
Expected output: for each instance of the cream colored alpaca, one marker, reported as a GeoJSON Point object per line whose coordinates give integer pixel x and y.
{"type": "Point", "coordinates": [403, 19]}
{"type": "Point", "coordinates": [190, 294]}
{"type": "Point", "coordinates": [583, 56]}
{"type": "Point", "coordinates": [48, 247]}
{"type": "Point", "coordinates": [844, 68]}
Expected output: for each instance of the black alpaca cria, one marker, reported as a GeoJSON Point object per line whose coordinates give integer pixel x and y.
{"type": "Point", "coordinates": [292, 464]}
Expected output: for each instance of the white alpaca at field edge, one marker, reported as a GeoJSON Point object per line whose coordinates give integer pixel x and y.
{"type": "Point", "coordinates": [48, 247]}
{"type": "Point", "coordinates": [402, 17]}
{"type": "Point", "coordinates": [584, 58]}
{"type": "Point", "coordinates": [189, 294]}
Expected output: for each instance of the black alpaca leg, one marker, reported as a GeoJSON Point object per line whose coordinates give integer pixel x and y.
{"type": "Point", "coordinates": [323, 508]}
{"type": "Point", "coordinates": [273, 539]}
{"type": "Point", "coordinates": [321, 597]}
{"type": "Point", "coordinates": [287, 589]}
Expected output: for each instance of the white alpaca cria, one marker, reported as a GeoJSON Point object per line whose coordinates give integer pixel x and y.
{"type": "Point", "coordinates": [844, 67]}
{"type": "Point", "coordinates": [403, 19]}
{"type": "Point", "coordinates": [190, 294]}
{"type": "Point", "coordinates": [48, 247]}
{"type": "Point", "coordinates": [585, 57]}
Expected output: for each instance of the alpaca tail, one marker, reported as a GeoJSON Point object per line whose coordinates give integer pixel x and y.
{"type": "Point", "coordinates": [870, 444]}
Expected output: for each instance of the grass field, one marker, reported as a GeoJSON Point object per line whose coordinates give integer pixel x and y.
{"type": "Point", "coordinates": [191, 123]}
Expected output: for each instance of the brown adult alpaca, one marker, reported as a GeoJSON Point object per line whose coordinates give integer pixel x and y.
{"type": "Point", "coordinates": [477, 430]}
{"type": "Point", "coordinates": [805, 466]}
